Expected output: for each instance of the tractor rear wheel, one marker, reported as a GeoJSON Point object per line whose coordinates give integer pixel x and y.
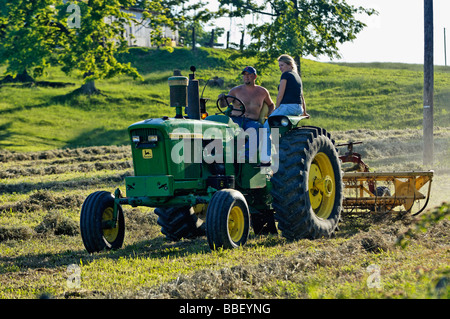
{"type": "Point", "coordinates": [96, 218]}
{"type": "Point", "coordinates": [307, 189]}
{"type": "Point", "coordinates": [227, 220]}
{"type": "Point", "coordinates": [179, 222]}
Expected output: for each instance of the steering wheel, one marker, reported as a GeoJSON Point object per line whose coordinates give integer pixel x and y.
{"type": "Point", "coordinates": [230, 106]}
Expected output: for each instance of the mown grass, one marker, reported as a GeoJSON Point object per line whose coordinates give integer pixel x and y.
{"type": "Point", "coordinates": [266, 268]}
{"type": "Point", "coordinates": [39, 239]}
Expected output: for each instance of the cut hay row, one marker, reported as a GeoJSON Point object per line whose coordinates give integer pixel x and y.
{"type": "Point", "coordinates": [40, 237]}
{"type": "Point", "coordinates": [53, 185]}
{"type": "Point", "coordinates": [113, 178]}
{"type": "Point", "coordinates": [8, 156]}
{"type": "Point", "coordinates": [98, 165]}
{"type": "Point", "coordinates": [60, 180]}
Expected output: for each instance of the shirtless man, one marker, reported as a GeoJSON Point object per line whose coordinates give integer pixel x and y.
{"type": "Point", "coordinates": [253, 96]}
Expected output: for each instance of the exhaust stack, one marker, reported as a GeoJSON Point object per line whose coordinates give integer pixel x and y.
{"type": "Point", "coordinates": [193, 109]}
{"type": "Point", "coordinates": [184, 93]}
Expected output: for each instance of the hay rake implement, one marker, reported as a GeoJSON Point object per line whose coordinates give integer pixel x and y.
{"type": "Point", "coordinates": [382, 191]}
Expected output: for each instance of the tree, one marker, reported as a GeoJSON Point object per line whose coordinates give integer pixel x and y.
{"type": "Point", "coordinates": [28, 36]}
{"type": "Point", "coordinates": [83, 35]}
{"type": "Point", "coordinates": [92, 46]}
{"type": "Point", "coordinates": [190, 18]}
{"type": "Point", "coordinates": [202, 37]}
{"type": "Point", "coordinates": [299, 27]}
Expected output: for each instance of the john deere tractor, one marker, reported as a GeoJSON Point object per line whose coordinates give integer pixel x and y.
{"type": "Point", "coordinates": [198, 174]}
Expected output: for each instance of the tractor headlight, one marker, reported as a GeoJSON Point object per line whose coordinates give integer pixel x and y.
{"type": "Point", "coordinates": [153, 138]}
{"type": "Point", "coordinates": [136, 139]}
{"type": "Point", "coordinates": [279, 121]}
{"type": "Point", "coordinates": [284, 121]}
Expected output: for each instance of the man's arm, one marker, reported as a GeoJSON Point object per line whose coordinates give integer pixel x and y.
{"type": "Point", "coordinates": [269, 102]}
{"type": "Point", "coordinates": [222, 101]}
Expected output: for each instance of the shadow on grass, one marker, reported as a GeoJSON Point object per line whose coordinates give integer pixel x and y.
{"type": "Point", "coordinates": [157, 248]}
{"type": "Point", "coordinates": [61, 185]}
{"type": "Point", "coordinates": [4, 131]}
{"type": "Point", "coordinates": [71, 98]}
{"type": "Point", "coordinates": [99, 136]}
{"type": "Point", "coordinates": [24, 108]}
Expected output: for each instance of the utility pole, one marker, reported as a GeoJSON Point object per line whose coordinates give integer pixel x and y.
{"type": "Point", "coordinates": [445, 47]}
{"type": "Point", "coordinates": [428, 87]}
{"type": "Point", "coordinates": [193, 38]}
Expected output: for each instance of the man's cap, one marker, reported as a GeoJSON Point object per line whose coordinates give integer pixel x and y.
{"type": "Point", "coordinates": [249, 69]}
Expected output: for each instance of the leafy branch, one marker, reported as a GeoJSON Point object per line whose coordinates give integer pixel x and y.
{"type": "Point", "coordinates": [426, 221]}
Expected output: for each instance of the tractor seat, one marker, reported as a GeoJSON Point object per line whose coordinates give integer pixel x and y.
{"type": "Point", "coordinates": [263, 114]}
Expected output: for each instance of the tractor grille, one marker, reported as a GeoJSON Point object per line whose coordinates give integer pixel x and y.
{"type": "Point", "coordinates": [148, 154]}
{"type": "Point", "coordinates": [144, 133]}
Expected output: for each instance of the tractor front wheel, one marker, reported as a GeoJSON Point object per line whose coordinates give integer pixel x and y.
{"type": "Point", "coordinates": [99, 231]}
{"type": "Point", "coordinates": [227, 220]}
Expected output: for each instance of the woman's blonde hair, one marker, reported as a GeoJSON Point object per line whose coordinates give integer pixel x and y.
{"type": "Point", "coordinates": [288, 60]}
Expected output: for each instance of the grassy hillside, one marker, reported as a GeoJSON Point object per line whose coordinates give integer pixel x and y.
{"type": "Point", "coordinates": [339, 97]}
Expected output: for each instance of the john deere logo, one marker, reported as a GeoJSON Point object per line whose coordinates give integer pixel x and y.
{"type": "Point", "coordinates": [147, 154]}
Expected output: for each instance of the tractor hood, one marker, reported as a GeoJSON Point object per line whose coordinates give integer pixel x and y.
{"type": "Point", "coordinates": [174, 146]}
{"type": "Point", "coordinates": [175, 128]}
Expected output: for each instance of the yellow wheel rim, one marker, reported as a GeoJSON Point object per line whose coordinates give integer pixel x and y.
{"type": "Point", "coordinates": [110, 234]}
{"type": "Point", "coordinates": [322, 186]}
{"type": "Point", "coordinates": [236, 224]}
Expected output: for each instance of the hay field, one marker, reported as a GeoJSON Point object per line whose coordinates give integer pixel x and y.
{"type": "Point", "coordinates": [41, 196]}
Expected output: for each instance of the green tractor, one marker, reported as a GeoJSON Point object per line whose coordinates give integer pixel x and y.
{"type": "Point", "coordinates": [194, 171]}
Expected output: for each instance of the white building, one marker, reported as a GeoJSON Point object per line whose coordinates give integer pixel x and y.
{"type": "Point", "coordinates": [141, 32]}
{"type": "Point", "coordinates": [137, 34]}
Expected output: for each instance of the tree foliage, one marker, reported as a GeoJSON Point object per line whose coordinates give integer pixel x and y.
{"type": "Point", "coordinates": [299, 27]}
{"type": "Point", "coordinates": [91, 46]}
{"type": "Point", "coordinates": [83, 35]}
{"type": "Point", "coordinates": [33, 33]}
{"type": "Point", "coordinates": [189, 15]}
{"type": "Point", "coordinates": [28, 36]}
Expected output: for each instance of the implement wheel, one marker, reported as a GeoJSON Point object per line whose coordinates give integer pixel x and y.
{"type": "Point", "coordinates": [307, 189]}
{"type": "Point", "coordinates": [227, 220]}
{"type": "Point", "coordinates": [96, 221]}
